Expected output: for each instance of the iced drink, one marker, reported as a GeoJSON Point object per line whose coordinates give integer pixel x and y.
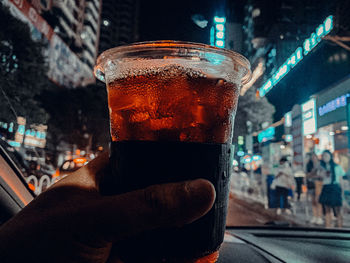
{"type": "Point", "coordinates": [171, 116]}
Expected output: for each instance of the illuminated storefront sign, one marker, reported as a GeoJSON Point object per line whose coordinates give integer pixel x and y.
{"type": "Point", "coordinates": [309, 44]}
{"type": "Point", "coordinates": [309, 117]}
{"type": "Point", "coordinates": [288, 119]}
{"type": "Point", "coordinates": [333, 105]}
{"type": "Point", "coordinates": [217, 32]}
{"type": "Point", "coordinates": [266, 135]}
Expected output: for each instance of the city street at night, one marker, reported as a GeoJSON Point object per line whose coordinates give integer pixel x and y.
{"type": "Point", "coordinates": [125, 124]}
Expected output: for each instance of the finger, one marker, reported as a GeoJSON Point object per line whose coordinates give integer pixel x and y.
{"type": "Point", "coordinates": [89, 175]}
{"type": "Point", "coordinates": [168, 205]}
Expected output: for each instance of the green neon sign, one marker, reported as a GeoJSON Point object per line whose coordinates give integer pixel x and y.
{"type": "Point", "coordinates": [309, 44]}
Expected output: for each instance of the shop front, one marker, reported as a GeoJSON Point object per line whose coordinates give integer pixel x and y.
{"type": "Point", "coordinates": [332, 125]}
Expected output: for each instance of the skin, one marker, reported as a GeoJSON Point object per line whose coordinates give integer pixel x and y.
{"type": "Point", "coordinates": [72, 222]}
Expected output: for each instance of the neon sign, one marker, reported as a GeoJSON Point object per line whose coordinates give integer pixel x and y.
{"type": "Point", "coordinates": [309, 44]}
{"type": "Point", "coordinates": [333, 105]}
{"type": "Point", "coordinates": [217, 32]}
{"type": "Point", "coordinates": [309, 117]}
{"type": "Point", "coordinates": [266, 135]}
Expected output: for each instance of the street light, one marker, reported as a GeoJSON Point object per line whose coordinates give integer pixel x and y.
{"type": "Point", "coordinates": [106, 22]}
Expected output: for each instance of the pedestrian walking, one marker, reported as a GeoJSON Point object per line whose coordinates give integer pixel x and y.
{"type": "Point", "coordinates": [283, 181]}
{"type": "Point", "coordinates": [299, 176]}
{"type": "Point", "coordinates": [331, 195]}
{"type": "Point", "coordinates": [314, 188]}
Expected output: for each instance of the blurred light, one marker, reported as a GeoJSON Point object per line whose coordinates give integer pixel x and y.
{"type": "Point", "coordinates": [234, 162]}
{"type": "Point", "coordinates": [320, 30]}
{"type": "Point", "coordinates": [328, 24]}
{"type": "Point", "coordinates": [212, 36]}
{"type": "Point", "coordinates": [80, 160]}
{"type": "Point", "coordinates": [106, 22]}
{"type": "Point", "coordinates": [220, 27]}
{"type": "Point", "coordinates": [266, 135]}
{"type": "Point", "coordinates": [333, 104]}
{"type": "Point", "coordinates": [282, 146]}
{"type": "Point", "coordinates": [336, 57]}
{"type": "Point", "coordinates": [288, 119]}
{"type": "Point", "coordinates": [256, 12]}
{"type": "Point", "coordinates": [220, 34]}
{"type": "Point", "coordinates": [100, 148]}
{"type": "Point", "coordinates": [313, 39]}
{"type": "Point", "coordinates": [309, 117]}
{"type": "Point", "coordinates": [337, 131]}
{"type": "Point", "coordinates": [240, 140]}
{"type": "Point", "coordinates": [299, 50]}
{"type": "Point", "coordinates": [11, 127]}
{"type": "Point", "coordinates": [344, 128]}
{"type": "Point", "coordinates": [219, 43]}
{"type": "Point", "coordinates": [31, 186]}
{"type": "Point", "coordinates": [308, 136]}
{"type": "Point", "coordinates": [83, 35]}
{"type": "Point", "coordinates": [247, 159]}
{"type": "Point", "coordinates": [344, 56]}
{"type": "Point", "coordinates": [331, 133]}
{"type": "Point", "coordinates": [219, 19]}
{"type": "Point", "coordinates": [240, 153]}
{"type": "Point", "coordinates": [281, 36]}
{"type": "Point", "coordinates": [199, 20]}
{"type": "Point", "coordinates": [289, 138]}
{"type": "Point", "coordinates": [21, 129]}
{"type": "Point", "coordinates": [293, 60]}
{"type": "Point", "coordinates": [256, 157]}
{"type": "Point", "coordinates": [14, 144]}
{"type": "Point", "coordinates": [306, 46]}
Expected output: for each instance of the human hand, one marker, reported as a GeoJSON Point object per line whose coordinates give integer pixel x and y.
{"type": "Point", "coordinates": [72, 222]}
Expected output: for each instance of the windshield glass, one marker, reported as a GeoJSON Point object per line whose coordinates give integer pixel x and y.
{"type": "Point", "coordinates": [289, 162]}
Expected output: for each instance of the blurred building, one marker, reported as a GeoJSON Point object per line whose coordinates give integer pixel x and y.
{"type": "Point", "coordinates": [314, 91]}
{"type": "Point", "coordinates": [274, 29]}
{"type": "Point", "coordinates": [77, 22]}
{"type": "Point", "coordinates": [119, 23]}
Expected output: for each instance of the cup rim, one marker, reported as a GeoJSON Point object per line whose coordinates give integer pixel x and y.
{"type": "Point", "coordinates": [166, 44]}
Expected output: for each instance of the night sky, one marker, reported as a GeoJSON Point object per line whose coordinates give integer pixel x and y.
{"type": "Point", "coordinates": [172, 20]}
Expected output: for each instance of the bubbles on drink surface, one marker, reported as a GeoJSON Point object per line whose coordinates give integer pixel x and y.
{"type": "Point", "coordinates": [171, 103]}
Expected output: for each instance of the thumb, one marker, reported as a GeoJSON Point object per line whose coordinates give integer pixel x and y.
{"type": "Point", "coordinates": [167, 205]}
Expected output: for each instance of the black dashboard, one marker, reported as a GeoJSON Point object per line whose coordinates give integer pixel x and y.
{"type": "Point", "coordinates": [261, 245]}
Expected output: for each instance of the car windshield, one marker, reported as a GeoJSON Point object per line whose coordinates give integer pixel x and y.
{"type": "Point", "coordinates": [289, 164]}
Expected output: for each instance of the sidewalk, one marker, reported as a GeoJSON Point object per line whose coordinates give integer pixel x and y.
{"type": "Point", "coordinates": [301, 210]}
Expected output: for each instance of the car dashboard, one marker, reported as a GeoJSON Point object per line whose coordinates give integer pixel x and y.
{"type": "Point", "coordinates": [269, 244]}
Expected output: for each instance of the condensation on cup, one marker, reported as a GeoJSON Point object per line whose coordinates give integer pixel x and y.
{"type": "Point", "coordinates": [172, 107]}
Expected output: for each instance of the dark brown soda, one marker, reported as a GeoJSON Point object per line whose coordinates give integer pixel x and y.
{"type": "Point", "coordinates": [172, 124]}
